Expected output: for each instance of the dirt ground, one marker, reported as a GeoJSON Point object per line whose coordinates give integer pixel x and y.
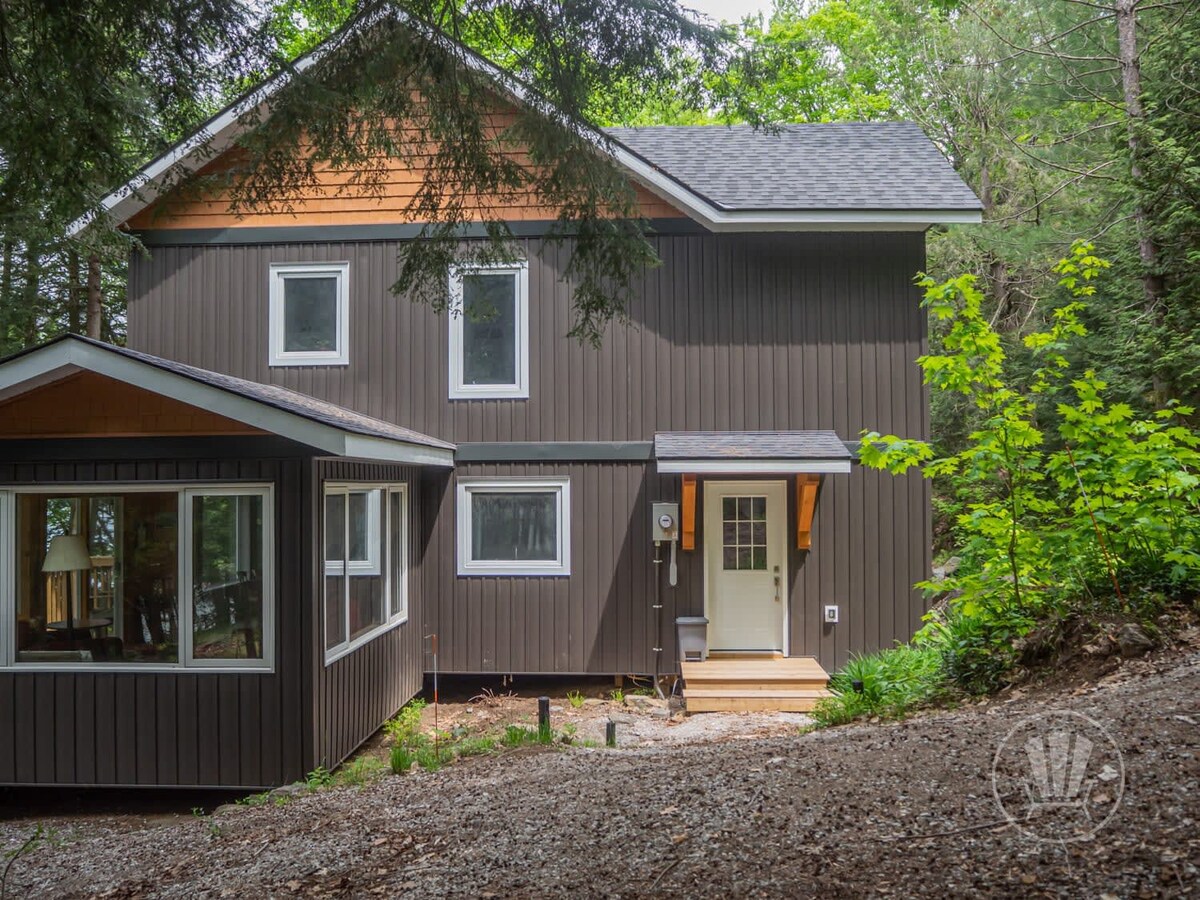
{"type": "Point", "coordinates": [881, 809]}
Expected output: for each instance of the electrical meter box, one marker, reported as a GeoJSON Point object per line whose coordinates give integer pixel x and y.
{"type": "Point", "coordinates": [666, 521]}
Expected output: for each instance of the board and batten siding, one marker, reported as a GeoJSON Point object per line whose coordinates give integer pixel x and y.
{"type": "Point", "coordinates": [184, 728]}
{"type": "Point", "coordinates": [731, 332]}
{"type": "Point", "coordinates": [869, 547]}
{"type": "Point", "coordinates": [357, 692]}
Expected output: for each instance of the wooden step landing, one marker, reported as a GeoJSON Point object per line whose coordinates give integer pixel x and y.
{"type": "Point", "coordinates": [754, 683]}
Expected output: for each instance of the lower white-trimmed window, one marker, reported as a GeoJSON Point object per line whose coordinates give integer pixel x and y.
{"type": "Point", "coordinates": [137, 576]}
{"type": "Point", "coordinates": [366, 563]}
{"type": "Point", "coordinates": [518, 526]}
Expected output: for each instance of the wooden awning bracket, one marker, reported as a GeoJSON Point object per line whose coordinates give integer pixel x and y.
{"type": "Point", "coordinates": [687, 513]}
{"type": "Point", "coordinates": [806, 502]}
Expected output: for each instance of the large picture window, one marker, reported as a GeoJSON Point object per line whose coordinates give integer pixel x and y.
{"type": "Point", "coordinates": [514, 527]}
{"type": "Point", "coordinates": [119, 576]}
{"type": "Point", "coordinates": [366, 563]}
{"type": "Point", "coordinates": [489, 333]}
{"type": "Point", "coordinates": [310, 314]}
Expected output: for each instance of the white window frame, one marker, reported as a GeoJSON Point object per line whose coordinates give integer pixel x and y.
{"type": "Point", "coordinates": [468, 487]}
{"type": "Point", "coordinates": [518, 390]}
{"type": "Point", "coordinates": [184, 492]}
{"type": "Point", "coordinates": [279, 274]}
{"type": "Point", "coordinates": [370, 565]}
{"type": "Point", "coordinates": [394, 617]}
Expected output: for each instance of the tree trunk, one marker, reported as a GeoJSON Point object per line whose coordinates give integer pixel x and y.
{"type": "Point", "coordinates": [1135, 113]}
{"type": "Point", "coordinates": [95, 309]}
{"type": "Point", "coordinates": [74, 289]}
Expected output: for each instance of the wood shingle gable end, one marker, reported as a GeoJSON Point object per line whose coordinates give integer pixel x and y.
{"type": "Point", "coordinates": [662, 193]}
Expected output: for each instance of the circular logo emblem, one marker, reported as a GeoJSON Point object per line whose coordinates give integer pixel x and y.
{"type": "Point", "coordinates": [1058, 776]}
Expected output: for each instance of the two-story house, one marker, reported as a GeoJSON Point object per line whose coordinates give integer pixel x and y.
{"type": "Point", "coordinates": [223, 549]}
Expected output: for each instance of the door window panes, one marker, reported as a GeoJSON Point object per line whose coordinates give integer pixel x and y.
{"type": "Point", "coordinates": [744, 533]}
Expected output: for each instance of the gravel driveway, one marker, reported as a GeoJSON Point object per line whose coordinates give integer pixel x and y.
{"type": "Point", "coordinates": [896, 809]}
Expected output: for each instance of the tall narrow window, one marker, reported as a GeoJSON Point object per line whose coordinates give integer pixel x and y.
{"type": "Point", "coordinates": [365, 563]}
{"type": "Point", "coordinates": [489, 333]}
{"type": "Point", "coordinates": [309, 320]}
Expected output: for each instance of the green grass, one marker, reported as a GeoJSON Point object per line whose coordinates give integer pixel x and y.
{"type": "Point", "coordinates": [617, 695]}
{"type": "Point", "coordinates": [576, 699]}
{"type": "Point", "coordinates": [893, 682]}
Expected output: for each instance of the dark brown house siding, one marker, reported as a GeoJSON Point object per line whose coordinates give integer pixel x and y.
{"type": "Point", "coordinates": [355, 693]}
{"type": "Point", "coordinates": [185, 728]}
{"type": "Point", "coordinates": [731, 332]}
{"type": "Point", "coordinates": [869, 546]}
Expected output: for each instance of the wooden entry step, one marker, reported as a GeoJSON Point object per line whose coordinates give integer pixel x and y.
{"type": "Point", "coordinates": [752, 683]}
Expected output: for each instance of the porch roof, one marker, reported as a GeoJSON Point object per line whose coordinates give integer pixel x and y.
{"type": "Point", "coordinates": [324, 426]}
{"type": "Point", "coordinates": [747, 452]}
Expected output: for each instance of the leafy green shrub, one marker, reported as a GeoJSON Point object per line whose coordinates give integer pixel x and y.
{"type": "Point", "coordinates": [575, 698]}
{"type": "Point", "coordinates": [359, 771]}
{"type": "Point", "coordinates": [474, 746]}
{"type": "Point", "coordinates": [617, 695]}
{"type": "Point", "coordinates": [1066, 503]}
{"type": "Point", "coordinates": [893, 681]}
{"type": "Point", "coordinates": [432, 758]}
{"type": "Point", "coordinates": [405, 726]}
{"type": "Point", "coordinates": [318, 778]}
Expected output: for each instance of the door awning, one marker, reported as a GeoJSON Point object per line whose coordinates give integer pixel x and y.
{"type": "Point", "coordinates": [751, 452]}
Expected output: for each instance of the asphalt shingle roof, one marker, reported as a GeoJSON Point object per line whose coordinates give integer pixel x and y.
{"type": "Point", "coordinates": [280, 398]}
{"type": "Point", "coordinates": [834, 166]}
{"type": "Point", "coordinates": [749, 445]}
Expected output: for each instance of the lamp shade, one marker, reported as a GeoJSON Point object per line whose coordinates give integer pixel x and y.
{"type": "Point", "coordinates": [68, 553]}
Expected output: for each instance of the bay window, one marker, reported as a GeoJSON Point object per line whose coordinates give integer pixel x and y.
{"type": "Point", "coordinates": [366, 563]}
{"type": "Point", "coordinates": [129, 576]}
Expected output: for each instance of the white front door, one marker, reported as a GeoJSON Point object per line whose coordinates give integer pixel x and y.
{"type": "Point", "coordinates": [745, 559]}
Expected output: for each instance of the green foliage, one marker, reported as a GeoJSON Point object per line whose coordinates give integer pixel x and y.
{"type": "Point", "coordinates": [1069, 501]}
{"type": "Point", "coordinates": [431, 758]}
{"type": "Point", "coordinates": [359, 771]}
{"type": "Point", "coordinates": [893, 682]}
{"type": "Point", "coordinates": [405, 726]}
{"type": "Point", "coordinates": [576, 699]}
{"type": "Point", "coordinates": [318, 778]}
{"type": "Point", "coordinates": [401, 759]}
{"type": "Point", "coordinates": [616, 695]}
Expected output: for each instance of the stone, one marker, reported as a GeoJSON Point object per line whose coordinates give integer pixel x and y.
{"type": "Point", "coordinates": [1133, 641]}
{"type": "Point", "coordinates": [290, 790]}
{"type": "Point", "coordinates": [643, 703]}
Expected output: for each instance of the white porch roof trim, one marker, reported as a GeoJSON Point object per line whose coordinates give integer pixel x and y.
{"type": "Point", "coordinates": [279, 411]}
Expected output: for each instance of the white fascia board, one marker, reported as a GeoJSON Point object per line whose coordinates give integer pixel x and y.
{"type": "Point", "coordinates": [67, 357]}
{"type": "Point", "coordinates": [754, 466]}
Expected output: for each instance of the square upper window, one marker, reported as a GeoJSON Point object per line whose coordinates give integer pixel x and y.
{"type": "Point", "coordinates": [489, 333]}
{"type": "Point", "coordinates": [514, 527]}
{"type": "Point", "coordinates": [310, 314]}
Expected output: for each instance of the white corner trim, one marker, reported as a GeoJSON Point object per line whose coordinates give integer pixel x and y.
{"type": "Point", "coordinates": [459, 389]}
{"type": "Point", "coordinates": [754, 466]}
{"type": "Point", "coordinates": [560, 485]}
{"type": "Point", "coordinates": [277, 314]}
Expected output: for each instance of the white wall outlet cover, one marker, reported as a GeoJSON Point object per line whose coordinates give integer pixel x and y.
{"type": "Point", "coordinates": [831, 615]}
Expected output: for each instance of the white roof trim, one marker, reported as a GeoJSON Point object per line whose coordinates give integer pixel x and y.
{"type": "Point", "coordinates": [223, 130]}
{"type": "Point", "coordinates": [67, 357]}
{"type": "Point", "coordinates": [754, 466]}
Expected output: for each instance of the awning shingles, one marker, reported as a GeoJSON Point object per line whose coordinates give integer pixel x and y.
{"type": "Point", "coordinates": [734, 452]}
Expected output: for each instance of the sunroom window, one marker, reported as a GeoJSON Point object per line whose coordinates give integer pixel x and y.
{"type": "Point", "coordinates": [366, 563]}
{"type": "Point", "coordinates": [125, 577]}
{"type": "Point", "coordinates": [310, 313]}
{"type": "Point", "coordinates": [514, 527]}
{"type": "Point", "coordinates": [489, 333]}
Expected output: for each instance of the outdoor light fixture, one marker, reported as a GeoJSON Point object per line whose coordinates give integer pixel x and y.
{"type": "Point", "coordinates": [857, 685]}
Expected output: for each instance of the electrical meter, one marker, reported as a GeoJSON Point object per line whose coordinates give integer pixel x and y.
{"type": "Point", "coordinates": [665, 521]}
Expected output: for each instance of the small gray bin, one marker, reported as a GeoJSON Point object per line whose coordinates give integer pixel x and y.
{"type": "Point", "coordinates": [692, 632]}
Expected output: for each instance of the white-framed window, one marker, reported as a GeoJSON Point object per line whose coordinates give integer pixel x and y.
{"type": "Point", "coordinates": [310, 314]}
{"type": "Point", "coordinates": [514, 526]}
{"type": "Point", "coordinates": [362, 552]}
{"type": "Point", "coordinates": [137, 577]}
{"type": "Point", "coordinates": [361, 599]}
{"type": "Point", "coordinates": [489, 332]}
